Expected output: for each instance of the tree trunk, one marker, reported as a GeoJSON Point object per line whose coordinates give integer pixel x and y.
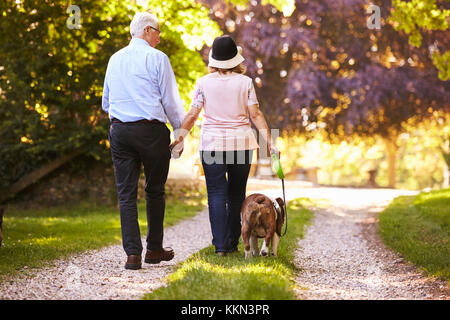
{"type": "Point", "coordinates": [36, 175]}
{"type": "Point", "coordinates": [391, 152]}
{"type": "Point", "coordinates": [445, 150]}
{"type": "Point", "coordinates": [446, 182]}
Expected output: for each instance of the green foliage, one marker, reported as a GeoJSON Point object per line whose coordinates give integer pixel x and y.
{"type": "Point", "coordinates": [238, 2]}
{"type": "Point", "coordinates": [51, 77]}
{"type": "Point", "coordinates": [442, 62]}
{"type": "Point", "coordinates": [285, 6]}
{"type": "Point", "coordinates": [52, 80]}
{"type": "Point", "coordinates": [34, 237]}
{"type": "Point", "coordinates": [416, 15]}
{"type": "Point", "coordinates": [419, 228]}
{"type": "Point", "coordinates": [206, 276]}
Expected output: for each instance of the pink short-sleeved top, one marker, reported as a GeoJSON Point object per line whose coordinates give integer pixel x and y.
{"type": "Point", "coordinates": [225, 99]}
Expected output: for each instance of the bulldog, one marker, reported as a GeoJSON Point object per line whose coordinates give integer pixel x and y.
{"type": "Point", "coordinates": [261, 218]}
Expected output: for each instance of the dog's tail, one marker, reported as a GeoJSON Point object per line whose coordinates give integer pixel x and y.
{"type": "Point", "coordinates": [255, 212]}
{"type": "Point", "coordinates": [260, 199]}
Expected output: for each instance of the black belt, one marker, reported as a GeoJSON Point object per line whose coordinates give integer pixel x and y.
{"type": "Point", "coordinates": [115, 120]}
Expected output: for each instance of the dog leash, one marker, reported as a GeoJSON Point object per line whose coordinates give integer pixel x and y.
{"type": "Point", "coordinates": [285, 208]}
{"type": "Point", "coordinates": [280, 174]}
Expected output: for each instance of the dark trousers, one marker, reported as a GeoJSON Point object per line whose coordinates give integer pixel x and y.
{"type": "Point", "coordinates": [133, 144]}
{"type": "Point", "coordinates": [226, 175]}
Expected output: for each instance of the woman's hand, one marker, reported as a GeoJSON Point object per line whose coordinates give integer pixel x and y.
{"type": "Point", "coordinates": [177, 141]}
{"type": "Point", "coordinates": [177, 147]}
{"type": "Point", "coordinates": [274, 149]}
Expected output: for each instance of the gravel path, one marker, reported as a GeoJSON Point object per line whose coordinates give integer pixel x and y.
{"type": "Point", "coordinates": [100, 274]}
{"type": "Point", "coordinates": [342, 256]}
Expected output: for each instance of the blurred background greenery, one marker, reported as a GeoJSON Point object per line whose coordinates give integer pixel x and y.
{"type": "Point", "coordinates": [347, 99]}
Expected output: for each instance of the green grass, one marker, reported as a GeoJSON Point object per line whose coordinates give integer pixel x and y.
{"type": "Point", "coordinates": [418, 227]}
{"type": "Point", "coordinates": [205, 276]}
{"type": "Point", "coordinates": [35, 237]}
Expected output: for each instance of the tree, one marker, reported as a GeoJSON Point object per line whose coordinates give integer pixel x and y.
{"type": "Point", "coordinates": [393, 84]}
{"type": "Point", "coordinates": [416, 15]}
{"type": "Point", "coordinates": [51, 76]}
{"type": "Point", "coordinates": [322, 69]}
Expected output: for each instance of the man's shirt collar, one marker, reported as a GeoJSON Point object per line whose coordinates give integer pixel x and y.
{"type": "Point", "coordinates": [139, 41]}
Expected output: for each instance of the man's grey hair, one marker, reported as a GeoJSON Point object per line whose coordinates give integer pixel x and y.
{"type": "Point", "coordinates": [140, 21]}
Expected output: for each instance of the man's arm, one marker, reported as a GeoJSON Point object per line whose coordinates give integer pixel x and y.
{"type": "Point", "coordinates": [105, 97]}
{"type": "Point", "coordinates": [171, 100]}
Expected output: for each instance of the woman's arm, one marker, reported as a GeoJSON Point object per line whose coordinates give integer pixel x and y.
{"type": "Point", "coordinates": [186, 126]}
{"type": "Point", "coordinates": [260, 123]}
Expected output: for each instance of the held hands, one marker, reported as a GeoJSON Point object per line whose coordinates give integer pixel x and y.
{"type": "Point", "coordinates": [177, 141]}
{"type": "Point", "coordinates": [177, 147]}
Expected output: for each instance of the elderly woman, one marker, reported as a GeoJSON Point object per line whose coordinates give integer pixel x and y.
{"type": "Point", "coordinates": [229, 101]}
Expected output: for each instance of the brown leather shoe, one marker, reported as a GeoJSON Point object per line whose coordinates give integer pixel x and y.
{"type": "Point", "coordinates": [134, 262]}
{"type": "Point", "coordinates": [156, 256]}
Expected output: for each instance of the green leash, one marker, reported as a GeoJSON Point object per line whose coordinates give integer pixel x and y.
{"type": "Point", "coordinates": [280, 174]}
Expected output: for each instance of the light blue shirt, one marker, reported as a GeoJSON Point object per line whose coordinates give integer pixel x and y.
{"type": "Point", "coordinates": [140, 84]}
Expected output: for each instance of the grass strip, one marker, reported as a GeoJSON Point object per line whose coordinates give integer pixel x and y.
{"type": "Point", "coordinates": [34, 237]}
{"type": "Point", "coordinates": [418, 227]}
{"type": "Point", "coordinates": [205, 276]}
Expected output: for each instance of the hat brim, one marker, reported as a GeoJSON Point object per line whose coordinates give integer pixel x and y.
{"type": "Point", "coordinates": [226, 64]}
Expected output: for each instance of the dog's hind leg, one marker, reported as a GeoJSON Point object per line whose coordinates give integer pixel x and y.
{"type": "Point", "coordinates": [265, 248]}
{"type": "Point", "coordinates": [254, 245]}
{"type": "Point", "coordinates": [245, 240]}
{"type": "Point", "coordinates": [274, 244]}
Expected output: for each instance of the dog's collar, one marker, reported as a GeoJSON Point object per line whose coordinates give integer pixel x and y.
{"type": "Point", "coordinates": [277, 207]}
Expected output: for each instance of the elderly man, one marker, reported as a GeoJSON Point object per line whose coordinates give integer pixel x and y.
{"type": "Point", "coordinates": [140, 93]}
